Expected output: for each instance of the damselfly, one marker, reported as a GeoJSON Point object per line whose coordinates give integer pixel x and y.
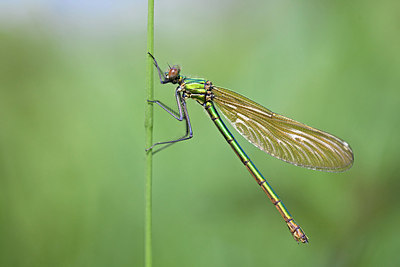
{"type": "Point", "coordinates": [281, 137]}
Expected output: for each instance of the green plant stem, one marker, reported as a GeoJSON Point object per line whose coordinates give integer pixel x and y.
{"type": "Point", "coordinates": [149, 135]}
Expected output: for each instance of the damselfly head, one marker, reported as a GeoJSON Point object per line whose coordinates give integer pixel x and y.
{"type": "Point", "coordinates": [173, 73]}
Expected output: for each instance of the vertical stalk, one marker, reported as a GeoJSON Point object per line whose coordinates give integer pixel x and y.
{"type": "Point", "coordinates": [148, 124]}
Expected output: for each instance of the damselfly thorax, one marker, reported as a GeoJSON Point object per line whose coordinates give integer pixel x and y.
{"type": "Point", "coordinates": [197, 89]}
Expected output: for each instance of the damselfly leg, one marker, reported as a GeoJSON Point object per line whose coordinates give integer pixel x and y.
{"type": "Point", "coordinates": [183, 115]}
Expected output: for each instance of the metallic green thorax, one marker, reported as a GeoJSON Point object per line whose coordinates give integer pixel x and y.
{"type": "Point", "coordinates": [201, 90]}
{"type": "Point", "coordinates": [195, 88]}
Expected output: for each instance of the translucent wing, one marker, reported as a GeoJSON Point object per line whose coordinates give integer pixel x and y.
{"type": "Point", "coordinates": [281, 137]}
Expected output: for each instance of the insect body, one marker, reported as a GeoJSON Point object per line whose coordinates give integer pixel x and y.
{"type": "Point", "coordinates": [279, 136]}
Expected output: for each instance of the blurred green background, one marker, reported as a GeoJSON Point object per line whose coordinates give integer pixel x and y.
{"type": "Point", "coordinates": [72, 96]}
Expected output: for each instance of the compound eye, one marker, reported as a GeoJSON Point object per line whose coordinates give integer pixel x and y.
{"type": "Point", "coordinates": [173, 72]}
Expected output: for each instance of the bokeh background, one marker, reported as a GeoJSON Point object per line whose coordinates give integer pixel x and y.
{"type": "Point", "coordinates": [72, 98]}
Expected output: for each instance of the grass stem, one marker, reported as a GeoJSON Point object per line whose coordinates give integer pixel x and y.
{"type": "Point", "coordinates": [149, 135]}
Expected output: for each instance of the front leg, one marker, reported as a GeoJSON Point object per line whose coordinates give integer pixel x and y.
{"type": "Point", "coordinates": [161, 75]}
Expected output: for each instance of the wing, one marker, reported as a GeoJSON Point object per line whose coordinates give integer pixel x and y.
{"type": "Point", "coordinates": [281, 137]}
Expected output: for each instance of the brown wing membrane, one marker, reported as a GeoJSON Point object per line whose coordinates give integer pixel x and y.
{"type": "Point", "coordinates": [281, 137]}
